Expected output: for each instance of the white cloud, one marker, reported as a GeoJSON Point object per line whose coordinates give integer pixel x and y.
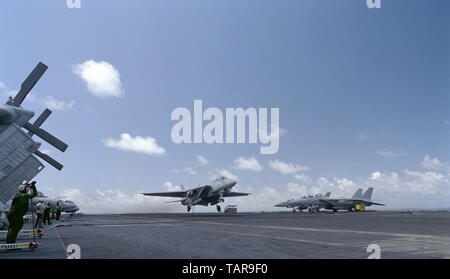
{"type": "Point", "coordinates": [434, 164]}
{"type": "Point", "coordinates": [344, 183]}
{"type": "Point", "coordinates": [202, 160]}
{"type": "Point", "coordinates": [49, 189]}
{"type": "Point", "coordinates": [55, 104]}
{"type": "Point", "coordinates": [303, 178]}
{"type": "Point", "coordinates": [389, 154]}
{"type": "Point", "coordinates": [424, 182]}
{"type": "Point", "coordinates": [407, 189]}
{"type": "Point", "coordinates": [322, 182]}
{"type": "Point", "coordinates": [7, 92]}
{"type": "Point", "coordinates": [412, 188]}
{"type": "Point", "coordinates": [226, 173]}
{"type": "Point", "coordinates": [139, 144]}
{"type": "Point", "coordinates": [375, 175]}
{"type": "Point", "coordinates": [102, 79]}
{"type": "Point", "coordinates": [46, 151]}
{"type": "Point", "coordinates": [404, 189]}
{"type": "Point", "coordinates": [287, 168]}
{"type": "Point", "coordinates": [171, 188]}
{"type": "Point", "coordinates": [114, 201]}
{"type": "Point", "coordinates": [339, 187]}
{"type": "Point", "coordinates": [247, 164]}
{"type": "Point", "coordinates": [187, 170]}
{"type": "Point", "coordinates": [264, 199]}
{"type": "Point", "coordinates": [49, 101]}
{"type": "Point", "coordinates": [362, 137]}
{"type": "Point", "coordinates": [295, 189]}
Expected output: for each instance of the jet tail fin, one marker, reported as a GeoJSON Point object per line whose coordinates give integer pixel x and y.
{"type": "Point", "coordinates": [327, 195]}
{"type": "Point", "coordinates": [358, 194]}
{"type": "Point", "coordinates": [368, 194]}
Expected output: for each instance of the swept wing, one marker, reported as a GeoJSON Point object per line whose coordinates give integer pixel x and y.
{"type": "Point", "coordinates": [234, 194]}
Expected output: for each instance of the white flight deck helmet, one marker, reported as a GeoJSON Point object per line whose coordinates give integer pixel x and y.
{"type": "Point", "coordinates": [22, 188]}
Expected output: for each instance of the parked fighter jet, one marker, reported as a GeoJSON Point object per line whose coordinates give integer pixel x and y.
{"type": "Point", "coordinates": [210, 194]}
{"type": "Point", "coordinates": [350, 204]}
{"type": "Point", "coordinates": [314, 203]}
{"type": "Point", "coordinates": [67, 206]}
{"type": "Point", "coordinates": [305, 202]}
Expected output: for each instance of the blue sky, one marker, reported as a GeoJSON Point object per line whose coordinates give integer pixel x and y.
{"type": "Point", "coordinates": [361, 92]}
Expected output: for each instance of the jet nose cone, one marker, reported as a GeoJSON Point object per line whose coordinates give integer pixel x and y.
{"type": "Point", "coordinates": [232, 182]}
{"type": "Point", "coordinates": [279, 204]}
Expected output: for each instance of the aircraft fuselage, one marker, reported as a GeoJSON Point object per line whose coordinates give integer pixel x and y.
{"type": "Point", "coordinates": [209, 194]}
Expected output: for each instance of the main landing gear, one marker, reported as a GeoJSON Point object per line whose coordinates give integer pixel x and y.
{"type": "Point", "coordinates": [188, 208]}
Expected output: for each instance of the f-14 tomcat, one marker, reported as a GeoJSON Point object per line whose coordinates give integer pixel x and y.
{"type": "Point", "coordinates": [67, 206]}
{"type": "Point", "coordinates": [210, 194]}
{"type": "Point", "coordinates": [315, 203]}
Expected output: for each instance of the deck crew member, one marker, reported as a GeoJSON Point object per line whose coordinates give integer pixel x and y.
{"type": "Point", "coordinates": [47, 214]}
{"type": "Point", "coordinates": [58, 210]}
{"type": "Point", "coordinates": [19, 208]}
{"type": "Point", "coordinates": [39, 214]}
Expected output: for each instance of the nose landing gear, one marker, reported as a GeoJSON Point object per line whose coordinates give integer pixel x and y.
{"type": "Point", "coordinates": [218, 208]}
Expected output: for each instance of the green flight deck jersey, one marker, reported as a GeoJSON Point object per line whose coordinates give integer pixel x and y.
{"type": "Point", "coordinates": [20, 202]}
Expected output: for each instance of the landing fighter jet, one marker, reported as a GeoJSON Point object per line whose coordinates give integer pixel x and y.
{"type": "Point", "coordinates": [316, 203]}
{"type": "Point", "coordinates": [210, 194]}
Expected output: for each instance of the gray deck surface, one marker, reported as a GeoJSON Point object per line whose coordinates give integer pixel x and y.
{"type": "Point", "coordinates": [247, 235]}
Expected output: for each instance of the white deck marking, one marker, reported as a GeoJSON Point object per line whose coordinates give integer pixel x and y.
{"type": "Point", "coordinates": [321, 230]}
{"type": "Point", "coordinates": [61, 242]}
{"type": "Point", "coordinates": [280, 238]}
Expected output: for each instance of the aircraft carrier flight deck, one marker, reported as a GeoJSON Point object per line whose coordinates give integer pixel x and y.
{"type": "Point", "coordinates": [421, 234]}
